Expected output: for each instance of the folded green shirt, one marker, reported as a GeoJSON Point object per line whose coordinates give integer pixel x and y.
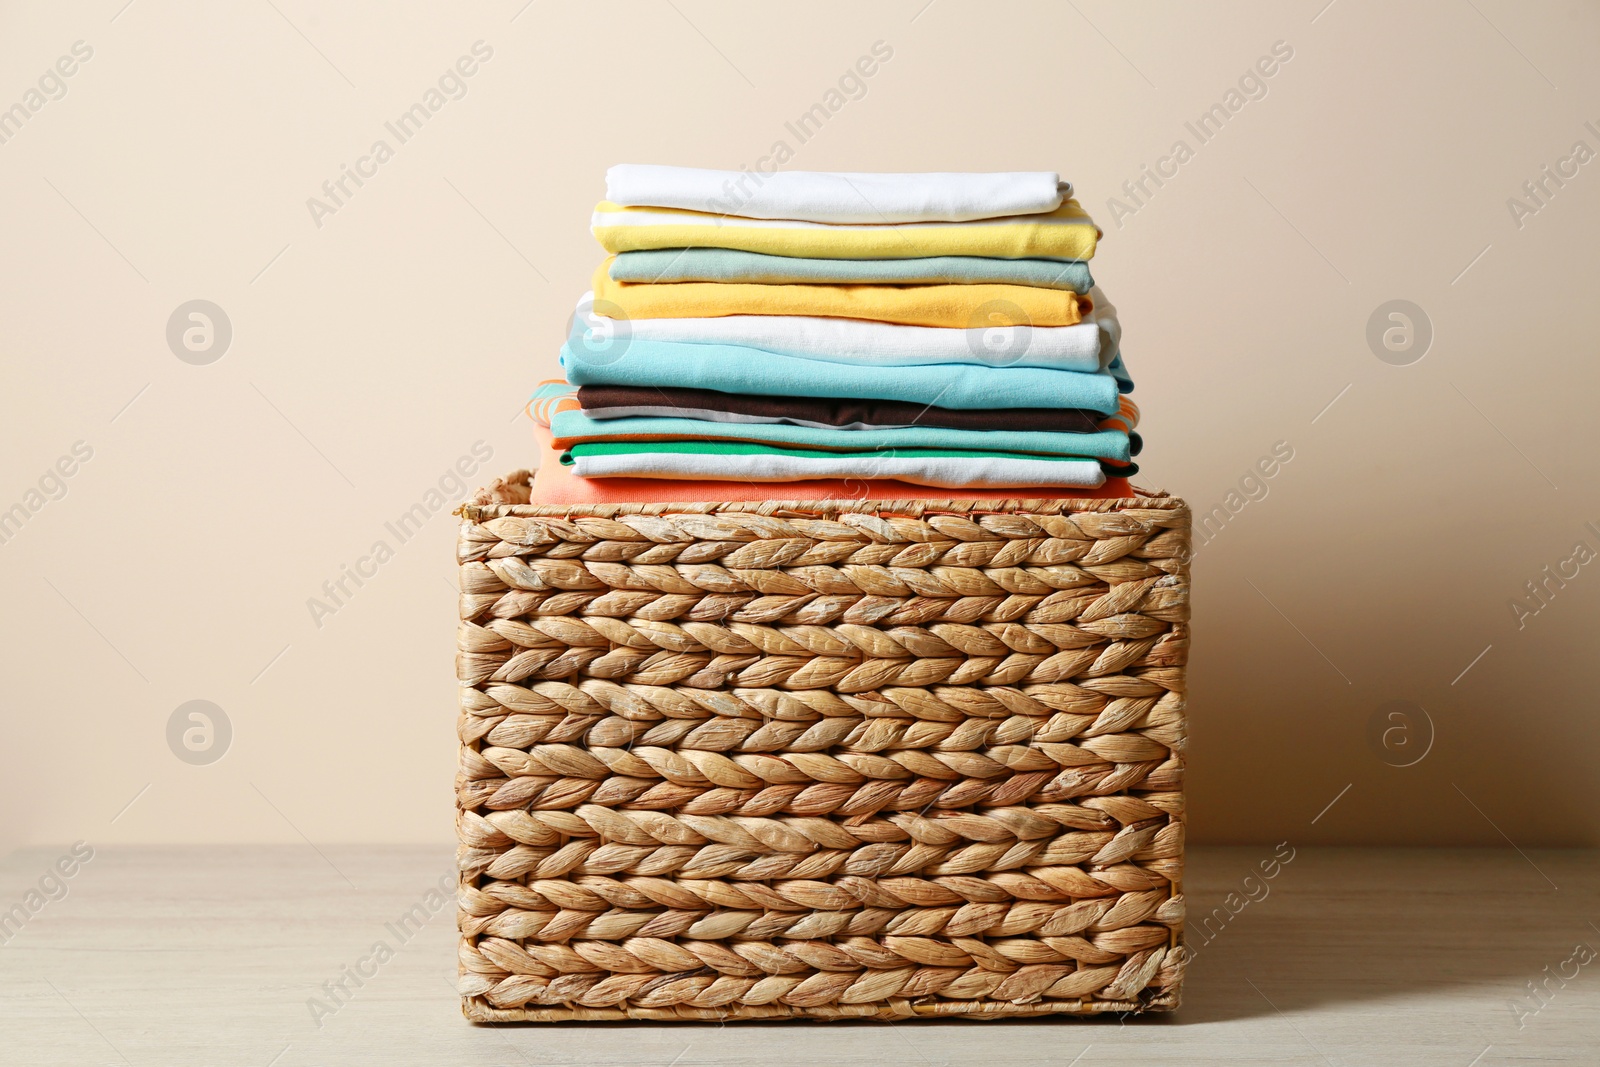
{"type": "Point", "coordinates": [722, 460]}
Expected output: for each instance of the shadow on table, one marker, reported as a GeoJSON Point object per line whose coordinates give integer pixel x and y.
{"type": "Point", "coordinates": [1346, 926]}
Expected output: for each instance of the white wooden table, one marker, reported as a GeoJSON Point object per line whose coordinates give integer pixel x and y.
{"type": "Point", "coordinates": [233, 955]}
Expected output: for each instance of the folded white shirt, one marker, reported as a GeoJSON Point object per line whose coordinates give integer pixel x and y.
{"type": "Point", "coordinates": [1086, 346]}
{"type": "Point", "coordinates": [815, 196]}
{"type": "Point", "coordinates": [942, 472]}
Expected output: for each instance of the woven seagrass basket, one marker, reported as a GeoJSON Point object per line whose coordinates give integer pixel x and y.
{"type": "Point", "coordinates": [820, 760]}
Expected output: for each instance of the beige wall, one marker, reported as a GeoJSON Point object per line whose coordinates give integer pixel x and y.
{"type": "Point", "coordinates": [371, 353]}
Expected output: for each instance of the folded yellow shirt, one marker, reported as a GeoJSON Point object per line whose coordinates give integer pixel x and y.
{"type": "Point", "coordinates": [1065, 233]}
{"type": "Point", "coordinates": [959, 306]}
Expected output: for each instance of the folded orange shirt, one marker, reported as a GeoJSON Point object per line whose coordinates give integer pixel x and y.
{"type": "Point", "coordinates": [956, 306]}
{"type": "Point", "coordinates": [554, 483]}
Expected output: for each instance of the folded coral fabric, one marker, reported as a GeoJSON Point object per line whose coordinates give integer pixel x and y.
{"type": "Point", "coordinates": [1086, 346]}
{"type": "Point", "coordinates": [913, 305]}
{"type": "Point", "coordinates": [942, 468]}
{"type": "Point", "coordinates": [824, 197]}
{"type": "Point", "coordinates": [556, 483]}
{"type": "Point", "coordinates": [1065, 233]}
{"type": "Point", "coordinates": [624, 401]}
{"type": "Point", "coordinates": [732, 369]}
{"type": "Point", "coordinates": [727, 265]}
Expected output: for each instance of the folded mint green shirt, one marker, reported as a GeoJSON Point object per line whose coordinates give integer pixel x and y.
{"type": "Point", "coordinates": [731, 265]}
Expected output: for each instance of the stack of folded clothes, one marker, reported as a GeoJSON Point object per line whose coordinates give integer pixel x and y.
{"type": "Point", "coordinates": [807, 335]}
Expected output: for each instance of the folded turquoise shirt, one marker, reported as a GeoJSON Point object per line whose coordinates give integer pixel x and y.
{"type": "Point", "coordinates": [574, 427]}
{"type": "Point", "coordinates": [731, 265]}
{"type": "Point", "coordinates": [730, 369]}
{"type": "Point", "coordinates": [1119, 371]}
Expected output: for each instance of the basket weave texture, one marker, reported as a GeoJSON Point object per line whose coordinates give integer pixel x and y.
{"type": "Point", "coordinates": [821, 760]}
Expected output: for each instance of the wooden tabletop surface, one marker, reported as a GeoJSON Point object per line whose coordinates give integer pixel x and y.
{"type": "Point", "coordinates": [298, 956]}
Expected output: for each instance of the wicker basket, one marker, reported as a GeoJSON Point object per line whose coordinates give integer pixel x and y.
{"type": "Point", "coordinates": [822, 760]}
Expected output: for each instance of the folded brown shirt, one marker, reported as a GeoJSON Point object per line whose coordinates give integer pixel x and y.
{"type": "Point", "coordinates": [626, 401]}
